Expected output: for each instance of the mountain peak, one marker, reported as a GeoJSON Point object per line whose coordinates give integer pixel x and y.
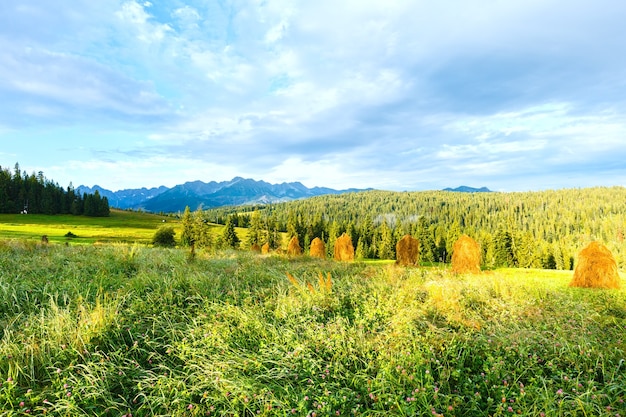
{"type": "Point", "coordinates": [196, 194]}
{"type": "Point", "coordinates": [466, 189]}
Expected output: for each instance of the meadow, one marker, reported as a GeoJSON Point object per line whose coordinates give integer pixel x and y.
{"type": "Point", "coordinates": [120, 226]}
{"type": "Point", "coordinates": [130, 330]}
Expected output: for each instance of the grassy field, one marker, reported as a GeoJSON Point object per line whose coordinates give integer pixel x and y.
{"type": "Point", "coordinates": [120, 226]}
{"type": "Point", "coordinates": [118, 330]}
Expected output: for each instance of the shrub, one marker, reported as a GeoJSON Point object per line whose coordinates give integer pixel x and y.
{"type": "Point", "coordinates": [164, 236]}
{"type": "Point", "coordinates": [596, 268]}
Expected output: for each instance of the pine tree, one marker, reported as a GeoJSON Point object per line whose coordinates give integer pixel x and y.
{"type": "Point", "coordinates": [255, 231]}
{"type": "Point", "coordinates": [385, 245]}
{"type": "Point", "coordinates": [187, 237]}
{"type": "Point", "coordinates": [229, 237]}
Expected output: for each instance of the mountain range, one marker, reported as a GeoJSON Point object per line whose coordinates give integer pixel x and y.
{"type": "Point", "coordinates": [238, 191]}
{"type": "Point", "coordinates": [196, 194]}
{"type": "Point", "coordinates": [466, 189]}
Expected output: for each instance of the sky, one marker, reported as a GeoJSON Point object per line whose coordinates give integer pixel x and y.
{"type": "Point", "coordinates": [514, 95]}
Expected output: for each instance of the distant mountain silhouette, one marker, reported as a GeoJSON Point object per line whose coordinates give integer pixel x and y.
{"type": "Point", "coordinates": [465, 189]}
{"type": "Point", "coordinates": [238, 191]}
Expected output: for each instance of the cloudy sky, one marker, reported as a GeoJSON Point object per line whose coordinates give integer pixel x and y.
{"type": "Point", "coordinates": [398, 95]}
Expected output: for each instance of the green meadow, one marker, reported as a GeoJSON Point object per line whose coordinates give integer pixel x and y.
{"type": "Point", "coordinates": [120, 226]}
{"type": "Point", "coordinates": [130, 330]}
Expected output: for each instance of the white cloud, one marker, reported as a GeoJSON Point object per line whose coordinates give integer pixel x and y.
{"type": "Point", "coordinates": [390, 91]}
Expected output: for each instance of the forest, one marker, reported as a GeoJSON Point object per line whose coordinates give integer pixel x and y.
{"type": "Point", "coordinates": [542, 229]}
{"type": "Point", "coordinates": [35, 194]}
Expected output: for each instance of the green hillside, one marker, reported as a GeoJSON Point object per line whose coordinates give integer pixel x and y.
{"type": "Point", "coordinates": [543, 229]}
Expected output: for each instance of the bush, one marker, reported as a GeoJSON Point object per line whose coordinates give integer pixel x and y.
{"type": "Point", "coordinates": [164, 236]}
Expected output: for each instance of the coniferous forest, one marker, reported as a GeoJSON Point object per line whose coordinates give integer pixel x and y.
{"type": "Point", "coordinates": [543, 229]}
{"type": "Point", "coordinates": [35, 194]}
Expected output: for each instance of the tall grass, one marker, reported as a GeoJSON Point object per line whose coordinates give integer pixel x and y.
{"type": "Point", "coordinates": [119, 330]}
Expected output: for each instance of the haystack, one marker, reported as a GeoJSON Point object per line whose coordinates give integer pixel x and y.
{"type": "Point", "coordinates": [255, 248]}
{"type": "Point", "coordinates": [407, 251]}
{"type": "Point", "coordinates": [318, 249]}
{"type": "Point", "coordinates": [466, 256]}
{"type": "Point", "coordinates": [294, 248]}
{"type": "Point", "coordinates": [596, 268]}
{"type": "Point", "coordinates": [344, 250]}
{"type": "Point", "coordinates": [265, 249]}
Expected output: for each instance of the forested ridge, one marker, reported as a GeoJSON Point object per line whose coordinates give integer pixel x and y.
{"type": "Point", "coordinates": [35, 194]}
{"type": "Point", "coordinates": [543, 229]}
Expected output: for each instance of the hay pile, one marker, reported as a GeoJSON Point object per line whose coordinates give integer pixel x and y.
{"type": "Point", "coordinates": [265, 249]}
{"type": "Point", "coordinates": [318, 249]}
{"type": "Point", "coordinates": [466, 256]}
{"type": "Point", "coordinates": [255, 248]}
{"type": "Point", "coordinates": [344, 251]}
{"type": "Point", "coordinates": [407, 251]}
{"type": "Point", "coordinates": [596, 268]}
{"type": "Point", "coordinates": [294, 248]}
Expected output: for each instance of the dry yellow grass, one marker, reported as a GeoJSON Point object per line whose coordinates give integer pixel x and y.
{"type": "Point", "coordinates": [596, 268]}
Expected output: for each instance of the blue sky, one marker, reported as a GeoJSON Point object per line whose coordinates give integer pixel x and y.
{"type": "Point", "coordinates": [399, 95]}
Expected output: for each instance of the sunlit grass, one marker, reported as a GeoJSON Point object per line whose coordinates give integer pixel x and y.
{"type": "Point", "coordinates": [119, 330]}
{"type": "Point", "coordinates": [120, 226]}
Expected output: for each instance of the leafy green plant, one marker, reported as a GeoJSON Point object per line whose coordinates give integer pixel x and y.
{"type": "Point", "coordinates": [164, 236]}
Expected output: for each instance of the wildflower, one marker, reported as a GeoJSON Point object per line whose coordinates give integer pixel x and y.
{"type": "Point", "coordinates": [21, 403]}
{"type": "Point", "coordinates": [510, 409]}
{"type": "Point", "coordinates": [559, 392]}
{"type": "Point", "coordinates": [190, 407]}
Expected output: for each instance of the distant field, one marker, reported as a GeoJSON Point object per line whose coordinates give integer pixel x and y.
{"type": "Point", "coordinates": [120, 226]}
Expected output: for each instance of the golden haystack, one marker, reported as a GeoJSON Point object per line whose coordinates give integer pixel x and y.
{"type": "Point", "coordinates": [466, 256]}
{"type": "Point", "coordinates": [318, 249]}
{"type": "Point", "coordinates": [294, 248]}
{"type": "Point", "coordinates": [344, 251]}
{"type": "Point", "coordinates": [265, 249]}
{"type": "Point", "coordinates": [407, 251]}
{"type": "Point", "coordinates": [255, 248]}
{"type": "Point", "coordinates": [596, 268]}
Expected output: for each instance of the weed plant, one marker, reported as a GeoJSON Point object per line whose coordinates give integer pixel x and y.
{"type": "Point", "coordinates": [136, 331]}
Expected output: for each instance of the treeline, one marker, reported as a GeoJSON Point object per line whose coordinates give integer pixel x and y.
{"type": "Point", "coordinates": [529, 230]}
{"type": "Point", "coordinates": [35, 194]}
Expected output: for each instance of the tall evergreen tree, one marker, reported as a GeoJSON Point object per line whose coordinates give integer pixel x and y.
{"type": "Point", "coordinates": [187, 237]}
{"type": "Point", "coordinates": [229, 236]}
